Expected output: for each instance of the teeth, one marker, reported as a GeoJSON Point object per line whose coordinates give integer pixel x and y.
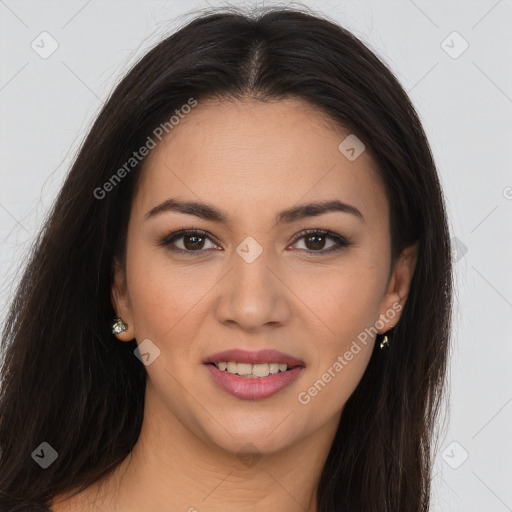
{"type": "Point", "coordinates": [252, 371]}
{"type": "Point", "coordinates": [244, 369]}
{"type": "Point", "coordinates": [260, 369]}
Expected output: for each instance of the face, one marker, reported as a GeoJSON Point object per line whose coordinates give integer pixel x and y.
{"type": "Point", "coordinates": [256, 271]}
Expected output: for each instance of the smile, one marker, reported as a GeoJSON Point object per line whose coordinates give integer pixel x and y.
{"type": "Point", "coordinates": [250, 385]}
{"type": "Point", "coordinates": [252, 371]}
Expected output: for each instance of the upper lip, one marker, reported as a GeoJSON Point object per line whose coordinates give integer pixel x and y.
{"type": "Point", "coordinates": [261, 356]}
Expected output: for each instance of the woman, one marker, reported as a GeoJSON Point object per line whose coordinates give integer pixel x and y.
{"type": "Point", "coordinates": [241, 297]}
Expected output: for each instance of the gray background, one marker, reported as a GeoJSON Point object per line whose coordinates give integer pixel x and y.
{"type": "Point", "coordinates": [464, 99]}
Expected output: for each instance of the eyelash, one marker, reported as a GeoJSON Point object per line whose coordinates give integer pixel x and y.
{"type": "Point", "coordinates": [340, 242]}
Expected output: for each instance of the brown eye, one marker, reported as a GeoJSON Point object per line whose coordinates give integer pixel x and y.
{"type": "Point", "coordinates": [193, 242]}
{"type": "Point", "coordinates": [188, 241]}
{"type": "Point", "coordinates": [315, 240]}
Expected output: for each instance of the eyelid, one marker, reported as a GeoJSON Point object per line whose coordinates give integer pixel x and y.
{"type": "Point", "coordinates": [176, 235]}
{"type": "Point", "coordinates": [341, 241]}
{"type": "Point", "coordinates": [315, 231]}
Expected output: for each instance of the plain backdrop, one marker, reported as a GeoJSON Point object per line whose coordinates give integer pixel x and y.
{"type": "Point", "coordinates": [453, 58]}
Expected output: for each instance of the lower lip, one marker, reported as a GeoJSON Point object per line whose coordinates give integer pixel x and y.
{"type": "Point", "coordinates": [250, 388]}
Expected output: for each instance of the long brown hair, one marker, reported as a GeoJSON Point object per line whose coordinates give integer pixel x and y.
{"type": "Point", "coordinates": [67, 381]}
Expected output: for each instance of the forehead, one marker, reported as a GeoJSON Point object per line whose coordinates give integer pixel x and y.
{"type": "Point", "coordinates": [247, 154]}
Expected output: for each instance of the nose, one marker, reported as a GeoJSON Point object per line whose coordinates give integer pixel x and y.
{"type": "Point", "coordinates": [253, 295]}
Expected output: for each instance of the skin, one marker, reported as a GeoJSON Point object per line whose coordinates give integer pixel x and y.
{"type": "Point", "coordinates": [252, 160]}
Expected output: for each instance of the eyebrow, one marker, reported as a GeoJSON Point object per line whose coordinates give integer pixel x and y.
{"type": "Point", "coordinates": [209, 212]}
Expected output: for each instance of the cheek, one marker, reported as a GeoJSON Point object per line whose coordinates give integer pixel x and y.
{"type": "Point", "coordinates": [163, 296]}
{"type": "Point", "coordinates": [348, 306]}
{"type": "Point", "coordinates": [351, 299]}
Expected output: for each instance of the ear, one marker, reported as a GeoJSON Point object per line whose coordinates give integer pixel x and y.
{"type": "Point", "coordinates": [121, 301]}
{"type": "Point", "coordinates": [398, 289]}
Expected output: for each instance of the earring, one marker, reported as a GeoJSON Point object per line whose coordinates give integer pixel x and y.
{"type": "Point", "coordinates": [119, 326]}
{"type": "Point", "coordinates": [384, 342]}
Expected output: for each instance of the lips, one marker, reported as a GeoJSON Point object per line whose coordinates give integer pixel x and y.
{"type": "Point", "coordinates": [257, 388]}
{"type": "Point", "coordinates": [253, 389]}
{"type": "Point", "coordinates": [261, 356]}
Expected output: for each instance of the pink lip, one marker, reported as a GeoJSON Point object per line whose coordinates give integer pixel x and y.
{"type": "Point", "coordinates": [253, 389]}
{"type": "Point", "coordinates": [261, 356]}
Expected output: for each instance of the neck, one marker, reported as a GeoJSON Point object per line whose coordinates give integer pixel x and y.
{"type": "Point", "coordinates": [171, 467]}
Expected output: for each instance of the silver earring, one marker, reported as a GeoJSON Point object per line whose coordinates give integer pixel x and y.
{"type": "Point", "coordinates": [119, 326]}
{"type": "Point", "coordinates": [384, 342]}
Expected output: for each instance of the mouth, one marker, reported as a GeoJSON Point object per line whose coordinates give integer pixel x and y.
{"type": "Point", "coordinates": [269, 356]}
{"type": "Point", "coordinates": [252, 371]}
{"type": "Point", "coordinates": [253, 375]}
